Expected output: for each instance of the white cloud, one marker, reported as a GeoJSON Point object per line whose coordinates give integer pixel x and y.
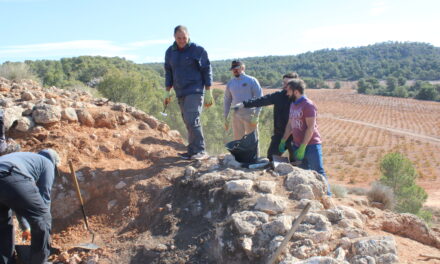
{"type": "Point", "coordinates": [145, 43]}
{"type": "Point", "coordinates": [354, 35]}
{"type": "Point", "coordinates": [107, 48]}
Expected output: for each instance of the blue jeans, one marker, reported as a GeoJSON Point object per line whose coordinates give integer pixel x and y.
{"type": "Point", "coordinates": [20, 194]}
{"type": "Point", "coordinates": [313, 161]}
{"type": "Point", "coordinates": [191, 108]}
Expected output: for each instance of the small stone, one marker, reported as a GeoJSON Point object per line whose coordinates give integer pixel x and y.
{"type": "Point", "coordinates": [120, 185]}
{"type": "Point", "coordinates": [266, 186]}
{"type": "Point", "coordinates": [111, 204]}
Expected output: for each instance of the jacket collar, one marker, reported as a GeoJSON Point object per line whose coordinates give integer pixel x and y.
{"type": "Point", "coordinates": [175, 47]}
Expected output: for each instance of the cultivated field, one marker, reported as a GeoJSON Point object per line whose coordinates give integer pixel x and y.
{"type": "Point", "coordinates": [358, 130]}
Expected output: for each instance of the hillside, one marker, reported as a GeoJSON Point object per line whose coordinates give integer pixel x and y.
{"type": "Point", "coordinates": [147, 206]}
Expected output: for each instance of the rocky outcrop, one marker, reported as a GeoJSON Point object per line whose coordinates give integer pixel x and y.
{"type": "Point", "coordinates": [250, 218]}
{"type": "Point", "coordinates": [410, 226]}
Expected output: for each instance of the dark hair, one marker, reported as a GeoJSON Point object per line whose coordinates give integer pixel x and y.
{"type": "Point", "coordinates": [297, 84]}
{"type": "Point", "coordinates": [180, 28]}
{"type": "Point", "coordinates": [291, 75]}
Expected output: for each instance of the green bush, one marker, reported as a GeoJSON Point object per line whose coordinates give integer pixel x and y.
{"type": "Point", "coordinates": [16, 71]}
{"type": "Point", "coordinates": [399, 174]}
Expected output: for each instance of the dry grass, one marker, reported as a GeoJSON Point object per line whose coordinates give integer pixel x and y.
{"type": "Point", "coordinates": [380, 193]}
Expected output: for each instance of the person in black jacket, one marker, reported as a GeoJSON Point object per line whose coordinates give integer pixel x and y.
{"type": "Point", "coordinates": [281, 103]}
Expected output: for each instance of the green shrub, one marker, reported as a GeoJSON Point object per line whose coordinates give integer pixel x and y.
{"type": "Point", "coordinates": [79, 86]}
{"type": "Point", "coordinates": [338, 191]}
{"type": "Point", "coordinates": [16, 71]}
{"type": "Point", "coordinates": [399, 174]}
{"type": "Point", "coordinates": [380, 193]}
{"type": "Point", "coordinates": [426, 215]}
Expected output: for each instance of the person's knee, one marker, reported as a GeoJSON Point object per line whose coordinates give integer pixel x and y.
{"type": "Point", "coordinates": [192, 120]}
{"type": "Point", "coordinates": [41, 223]}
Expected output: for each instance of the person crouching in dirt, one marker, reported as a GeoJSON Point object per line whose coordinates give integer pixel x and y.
{"type": "Point", "coordinates": [303, 127]}
{"type": "Point", "coordinates": [281, 105]}
{"type": "Point", "coordinates": [26, 181]}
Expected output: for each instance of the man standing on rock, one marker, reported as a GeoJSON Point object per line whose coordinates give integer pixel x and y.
{"type": "Point", "coordinates": [240, 88]}
{"type": "Point", "coordinates": [26, 181]}
{"type": "Point", "coordinates": [188, 70]}
{"type": "Point", "coordinates": [303, 127]}
{"type": "Point", "coordinates": [281, 107]}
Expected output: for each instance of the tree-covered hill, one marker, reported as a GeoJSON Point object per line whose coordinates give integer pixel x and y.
{"type": "Point", "coordinates": [410, 60]}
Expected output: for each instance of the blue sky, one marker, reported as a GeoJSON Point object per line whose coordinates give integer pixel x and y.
{"type": "Point", "coordinates": [142, 30]}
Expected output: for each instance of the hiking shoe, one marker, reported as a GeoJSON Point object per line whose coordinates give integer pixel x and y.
{"type": "Point", "coordinates": [184, 155]}
{"type": "Point", "coordinates": [200, 156]}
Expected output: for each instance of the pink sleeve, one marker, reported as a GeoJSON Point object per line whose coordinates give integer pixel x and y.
{"type": "Point", "coordinates": [309, 110]}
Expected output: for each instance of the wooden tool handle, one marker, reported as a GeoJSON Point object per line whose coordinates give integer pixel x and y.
{"type": "Point", "coordinates": [75, 181]}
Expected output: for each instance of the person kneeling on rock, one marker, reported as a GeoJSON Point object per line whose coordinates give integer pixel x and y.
{"type": "Point", "coordinates": [26, 181]}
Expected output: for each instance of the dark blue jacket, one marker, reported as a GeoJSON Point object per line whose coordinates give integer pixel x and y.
{"type": "Point", "coordinates": [281, 107]}
{"type": "Point", "coordinates": [188, 70]}
{"type": "Point", "coordinates": [34, 166]}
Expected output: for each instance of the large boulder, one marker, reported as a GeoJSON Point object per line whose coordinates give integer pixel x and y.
{"type": "Point", "coordinates": [69, 114]}
{"type": "Point", "coordinates": [410, 226]}
{"type": "Point", "coordinates": [315, 227]}
{"type": "Point", "coordinates": [239, 187]}
{"type": "Point", "coordinates": [85, 118]}
{"type": "Point", "coordinates": [46, 114]}
{"type": "Point", "coordinates": [24, 124]}
{"type": "Point", "coordinates": [247, 222]}
{"type": "Point", "coordinates": [105, 119]}
{"type": "Point", "coordinates": [271, 204]}
{"type": "Point", "coordinates": [10, 115]}
{"type": "Point", "coordinates": [382, 249]}
{"type": "Point", "coordinates": [309, 178]}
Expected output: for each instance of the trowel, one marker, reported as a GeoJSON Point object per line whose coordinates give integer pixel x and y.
{"type": "Point", "coordinates": [277, 160]}
{"type": "Point", "coordinates": [89, 246]}
{"type": "Point", "coordinates": [164, 109]}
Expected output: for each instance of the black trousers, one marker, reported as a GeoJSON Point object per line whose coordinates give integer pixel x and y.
{"type": "Point", "coordinates": [273, 147]}
{"type": "Point", "coordinates": [20, 194]}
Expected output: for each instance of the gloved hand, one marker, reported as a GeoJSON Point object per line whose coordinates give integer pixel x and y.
{"type": "Point", "coordinates": [209, 100]}
{"type": "Point", "coordinates": [167, 97]}
{"type": "Point", "coordinates": [237, 106]}
{"type": "Point", "coordinates": [26, 235]}
{"type": "Point", "coordinates": [299, 153]}
{"type": "Point", "coordinates": [282, 146]}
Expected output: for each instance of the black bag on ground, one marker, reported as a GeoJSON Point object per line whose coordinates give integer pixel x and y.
{"type": "Point", "coordinates": [244, 150]}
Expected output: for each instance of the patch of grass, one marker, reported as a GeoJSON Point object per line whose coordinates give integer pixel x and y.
{"type": "Point", "coordinates": [338, 191]}
{"type": "Point", "coordinates": [357, 191]}
{"type": "Point", "coordinates": [16, 71]}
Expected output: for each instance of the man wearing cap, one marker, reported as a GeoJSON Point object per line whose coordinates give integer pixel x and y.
{"type": "Point", "coordinates": [188, 70]}
{"type": "Point", "coordinates": [281, 102]}
{"type": "Point", "coordinates": [26, 181]}
{"type": "Point", "coordinates": [241, 88]}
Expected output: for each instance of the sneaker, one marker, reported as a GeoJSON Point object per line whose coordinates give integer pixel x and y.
{"type": "Point", "coordinates": [200, 156]}
{"type": "Point", "coordinates": [185, 155]}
